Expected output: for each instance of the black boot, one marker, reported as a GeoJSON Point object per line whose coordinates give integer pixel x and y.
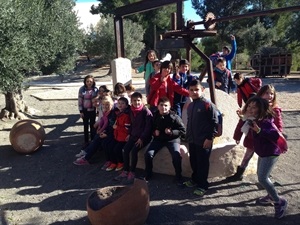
{"type": "Point", "coordinates": [237, 176]}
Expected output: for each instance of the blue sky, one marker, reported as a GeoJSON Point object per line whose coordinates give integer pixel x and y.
{"type": "Point", "coordinates": [189, 12]}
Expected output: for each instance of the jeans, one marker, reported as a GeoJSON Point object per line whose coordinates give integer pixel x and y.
{"type": "Point", "coordinates": [199, 160]}
{"type": "Point", "coordinates": [153, 149]}
{"type": "Point", "coordinates": [130, 149]}
{"type": "Point", "coordinates": [92, 148]}
{"type": "Point", "coordinates": [264, 169]}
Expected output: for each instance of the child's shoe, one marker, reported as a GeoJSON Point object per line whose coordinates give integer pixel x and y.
{"type": "Point", "coordinates": [81, 162]}
{"type": "Point", "coordinates": [199, 191]}
{"type": "Point", "coordinates": [190, 183]}
{"type": "Point", "coordinates": [121, 176]}
{"type": "Point", "coordinates": [111, 167]}
{"type": "Point", "coordinates": [266, 200]}
{"type": "Point", "coordinates": [280, 208]}
{"type": "Point", "coordinates": [119, 166]}
{"type": "Point", "coordinates": [81, 154]}
{"type": "Point", "coordinates": [130, 176]}
{"type": "Point", "coordinates": [106, 164]}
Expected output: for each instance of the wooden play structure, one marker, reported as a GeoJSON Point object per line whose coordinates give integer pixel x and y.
{"type": "Point", "coordinates": [271, 62]}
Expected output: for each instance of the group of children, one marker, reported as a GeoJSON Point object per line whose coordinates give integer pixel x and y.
{"type": "Point", "coordinates": [128, 126]}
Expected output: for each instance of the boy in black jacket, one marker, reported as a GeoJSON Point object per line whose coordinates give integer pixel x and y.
{"type": "Point", "coordinates": [201, 128]}
{"type": "Point", "coordinates": [167, 130]}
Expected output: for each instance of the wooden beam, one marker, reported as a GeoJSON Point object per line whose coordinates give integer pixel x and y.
{"type": "Point", "coordinates": [143, 6]}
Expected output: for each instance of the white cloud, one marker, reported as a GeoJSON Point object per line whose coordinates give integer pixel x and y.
{"type": "Point", "coordinates": [83, 12]}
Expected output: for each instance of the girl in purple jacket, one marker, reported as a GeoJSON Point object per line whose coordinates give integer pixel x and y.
{"type": "Point", "coordinates": [265, 136]}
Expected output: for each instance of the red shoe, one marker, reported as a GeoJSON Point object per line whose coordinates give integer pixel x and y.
{"type": "Point", "coordinates": [106, 164]}
{"type": "Point", "coordinates": [111, 167]}
{"type": "Point", "coordinates": [120, 166]}
{"type": "Point", "coordinates": [81, 162]}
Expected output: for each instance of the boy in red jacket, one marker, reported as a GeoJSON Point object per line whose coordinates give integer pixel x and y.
{"type": "Point", "coordinates": [246, 87]}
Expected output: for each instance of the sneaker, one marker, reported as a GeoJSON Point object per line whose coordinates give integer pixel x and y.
{"type": "Point", "coordinates": [121, 176]}
{"type": "Point", "coordinates": [280, 208]}
{"type": "Point", "coordinates": [130, 176]}
{"type": "Point", "coordinates": [119, 166]}
{"type": "Point", "coordinates": [190, 183]}
{"type": "Point", "coordinates": [267, 200]}
{"type": "Point", "coordinates": [81, 162]}
{"type": "Point", "coordinates": [199, 191]}
{"type": "Point", "coordinates": [81, 154]}
{"type": "Point", "coordinates": [106, 164]}
{"type": "Point", "coordinates": [111, 167]}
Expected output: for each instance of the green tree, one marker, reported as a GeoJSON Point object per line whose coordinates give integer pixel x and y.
{"type": "Point", "coordinates": [35, 35]}
{"type": "Point", "coordinates": [160, 17]}
{"type": "Point", "coordinates": [101, 40]}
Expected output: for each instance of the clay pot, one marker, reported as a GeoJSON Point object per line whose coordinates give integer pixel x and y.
{"type": "Point", "coordinates": [119, 205]}
{"type": "Point", "coordinates": [27, 136]}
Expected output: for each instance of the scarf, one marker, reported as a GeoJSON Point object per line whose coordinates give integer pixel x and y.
{"type": "Point", "coordinates": [136, 110]}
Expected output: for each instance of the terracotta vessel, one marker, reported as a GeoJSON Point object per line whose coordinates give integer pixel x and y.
{"type": "Point", "coordinates": [119, 205]}
{"type": "Point", "coordinates": [27, 136]}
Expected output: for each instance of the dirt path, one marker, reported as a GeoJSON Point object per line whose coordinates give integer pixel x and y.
{"type": "Point", "coordinates": [46, 188]}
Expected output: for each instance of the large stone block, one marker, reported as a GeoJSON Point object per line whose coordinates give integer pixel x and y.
{"type": "Point", "coordinates": [121, 70]}
{"type": "Point", "coordinates": [225, 156]}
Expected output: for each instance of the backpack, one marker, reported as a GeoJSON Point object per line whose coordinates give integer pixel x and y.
{"type": "Point", "coordinates": [255, 83]}
{"type": "Point", "coordinates": [214, 57]}
{"type": "Point", "coordinates": [220, 115]}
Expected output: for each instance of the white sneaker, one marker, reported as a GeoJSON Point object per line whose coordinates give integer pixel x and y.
{"type": "Point", "coordinates": [80, 154]}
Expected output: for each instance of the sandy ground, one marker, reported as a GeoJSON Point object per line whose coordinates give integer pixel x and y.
{"type": "Point", "coordinates": [46, 188]}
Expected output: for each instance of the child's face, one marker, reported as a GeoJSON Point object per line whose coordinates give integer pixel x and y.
{"type": "Point", "coordinates": [106, 106]}
{"type": "Point", "coordinates": [122, 105]}
{"type": "Point", "coordinates": [221, 66]}
{"type": "Point", "coordinates": [164, 108]}
{"type": "Point", "coordinates": [252, 110]}
{"type": "Point", "coordinates": [157, 66]}
{"type": "Point", "coordinates": [268, 95]}
{"type": "Point", "coordinates": [195, 92]}
{"type": "Point", "coordinates": [151, 56]}
{"type": "Point", "coordinates": [89, 82]}
{"type": "Point", "coordinates": [166, 71]}
{"type": "Point", "coordinates": [184, 68]}
{"type": "Point", "coordinates": [136, 102]}
{"type": "Point", "coordinates": [101, 92]}
{"type": "Point", "coordinates": [238, 81]}
{"type": "Point", "coordinates": [95, 102]}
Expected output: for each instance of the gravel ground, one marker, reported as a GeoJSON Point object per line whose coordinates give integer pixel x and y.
{"type": "Point", "coordinates": [46, 188]}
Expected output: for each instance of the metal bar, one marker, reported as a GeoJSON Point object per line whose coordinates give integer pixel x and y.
{"type": "Point", "coordinates": [260, 13]}
{"type": "Point", "coordinates": [249, 15]}
{"type": "Point", "coordinates": [209, 67]}
{"type": "Point", "coordinates": [142, 6]}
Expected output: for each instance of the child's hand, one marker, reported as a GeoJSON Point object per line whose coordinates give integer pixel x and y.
{"type": "Point", "coordinates": [232, 37]}
{"type": "Point", "coordinates": [139, 143]}
{"type": "Point", "coordinates": [218, 84]}
{"type": "Point", "coordinates": [207, 143]}
{"type": "Point", "coordinates": [156, 133]}
{"type": "Point", "coordinates": [127, 138]}
{"type": "Point", "coordinates": [239, 113]}
{"type": "Point", "coordinates": [168, 131]}
{"type": "Point", "coordinates": [115, 126]}
{"type": "Point", "coordinates": [103, 135]}
{"type": "Point", "coordinates": [177, 76]}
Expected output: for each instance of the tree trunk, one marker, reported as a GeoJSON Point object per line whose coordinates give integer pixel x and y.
{"type": "Point", "coordinates": [14, 106]}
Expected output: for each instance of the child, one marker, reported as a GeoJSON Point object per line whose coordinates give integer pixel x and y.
{"type": "Point", "coordinates": [222, 76]}
{"type": "Point", "coordinates": [130, 90]}
{"type": "Point", "coordinates": [265, 136]}
{"type": "Point", "coordinates": [104, 130]}
{"type": "Point", "coordinates": [201, 128]}
{"type": "Point", "coordinates": [246, 87]}
{"type": "Point", "coordinates": [119, 91]}
{"type": "Point", "coordinates": [121, 130]}
{"type": "Point", "coordinates": [167, 130]}
{"type": "Point", "coordinates": [182, 78]}
{"type": "Point", "coordinates": [266, 92]}
{"type": "Point", "coordinates": [162, 85]}
{"type": "Point", "coordinates": [139, 136]}
{"type": "Point", "coordinates": [147, 68]}
{"type": "Point", "coordinates": [85, 105]}
{"type": "Point", "coordinates": [229, 55]}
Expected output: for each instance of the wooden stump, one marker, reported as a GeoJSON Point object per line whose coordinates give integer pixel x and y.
{"type": "Point", "coordinates": [120, 205]}
{"type": "Point", "coordinates": [27, 136]}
